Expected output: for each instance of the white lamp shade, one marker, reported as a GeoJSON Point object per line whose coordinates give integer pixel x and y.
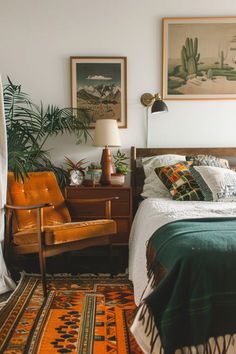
{"type": "Point", "coordinates": [107, 133]}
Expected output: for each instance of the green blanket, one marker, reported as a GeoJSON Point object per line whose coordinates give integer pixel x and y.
{"type": "Point", "coordinates": [193, 267]}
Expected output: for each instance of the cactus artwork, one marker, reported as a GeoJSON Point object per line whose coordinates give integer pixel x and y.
{"type": "Point", "coordinates": [199, 58]}
{"type": "Point", "coordinates": [209, 74]}
{"type": "Point", "coordinates": [222, 56]}
{"type": "Point", "coordinates": [189, 56]}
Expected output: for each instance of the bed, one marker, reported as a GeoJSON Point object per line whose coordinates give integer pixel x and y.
{"type": "Point", "coordinates": [153, 214]}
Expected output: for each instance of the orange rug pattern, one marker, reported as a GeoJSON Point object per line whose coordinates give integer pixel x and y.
{"type": "Point", "coordinates": [82, 315]}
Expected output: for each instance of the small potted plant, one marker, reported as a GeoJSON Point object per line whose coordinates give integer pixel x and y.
{"type": "Point", "coordinates": [121, 167]}
{"type": "Point", "coordinates": [76, 171]}
{"type": "Point", "coordinates": [95, 171]}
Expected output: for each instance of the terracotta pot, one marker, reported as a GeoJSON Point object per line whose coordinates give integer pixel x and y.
{"type": "Point", "coordinates": [117, 179]}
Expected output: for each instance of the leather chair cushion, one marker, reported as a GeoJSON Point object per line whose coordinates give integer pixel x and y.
{"type": "Point", "coordinates": [40, 187]}
{"type": "Point", "coordinates": [68, 232]}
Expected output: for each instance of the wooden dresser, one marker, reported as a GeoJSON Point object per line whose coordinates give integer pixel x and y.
{"type": "Point", "coordinates": [121, 208]}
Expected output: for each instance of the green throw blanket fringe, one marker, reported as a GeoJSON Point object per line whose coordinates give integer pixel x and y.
{"type": "Point", "coordinates": [192, 266]}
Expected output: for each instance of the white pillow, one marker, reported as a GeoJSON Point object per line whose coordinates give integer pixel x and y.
{"type": "Point", "coordinates": [153, 187]}
{"type": "Point", "coordinates": [217, 184]}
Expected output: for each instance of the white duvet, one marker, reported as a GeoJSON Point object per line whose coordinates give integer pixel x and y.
{"type": "Point", "coordinates": [152, 214]}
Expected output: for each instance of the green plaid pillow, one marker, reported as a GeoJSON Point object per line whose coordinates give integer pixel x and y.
{"type": "Point", "coordinates": [179, 181]}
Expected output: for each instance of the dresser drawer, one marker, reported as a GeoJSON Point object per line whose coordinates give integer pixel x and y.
{"type": "Point", "coordinates": [98, 210]}
{"type": "Point", "coordinates": [97, 192]}
{"type": "Point", "coordinates": [121, 209]}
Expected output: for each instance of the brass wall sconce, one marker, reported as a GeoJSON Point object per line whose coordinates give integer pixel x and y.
{"type": "Point", "coordinates": [157, 106]}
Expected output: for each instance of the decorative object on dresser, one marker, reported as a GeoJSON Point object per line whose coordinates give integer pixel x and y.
{"type": "Point", "coordinates": [39, 222]}
{"type": "Point", "coordinates": [193, 69]}
{"type": "Point", "coordinates": [121, 167]}
{"type": "Point", "coordinates": [94, 171]}
{"type": "Point", "coordinates": [76, 171]}
{"type": "Point", "coordinates": [106, 134]}
{"type": "Point", "coordinates": [121, 210]}
{"type": "Point", "coordinates": [157, 106]}
{"type": "Point", "coordinates": [99, 87]}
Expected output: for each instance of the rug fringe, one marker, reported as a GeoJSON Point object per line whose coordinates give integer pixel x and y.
{"type": "Point", "coordinates": [3, 303]}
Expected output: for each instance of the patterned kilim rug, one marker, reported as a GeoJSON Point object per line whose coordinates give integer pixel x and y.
{"type": "Point", "coordinates": [85, 315]}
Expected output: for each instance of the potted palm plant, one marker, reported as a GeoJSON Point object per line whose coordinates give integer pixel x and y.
{"type": "Point", "coordinates": [121, 168]}
{"type": "Point", "coordinates": [28, 128]}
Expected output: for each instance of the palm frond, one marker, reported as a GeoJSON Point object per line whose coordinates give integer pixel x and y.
{"type": "Point", "coordinates": [30, 125]}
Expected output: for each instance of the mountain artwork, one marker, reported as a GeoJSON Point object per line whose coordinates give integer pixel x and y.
{"type": "Point", "coordinates": [100, 101]}
{"type": "Point", "coordinates": [99, 90]}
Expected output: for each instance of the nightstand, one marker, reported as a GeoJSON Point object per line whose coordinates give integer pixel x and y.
{"type": "Point", "coordinates": [121, 208]}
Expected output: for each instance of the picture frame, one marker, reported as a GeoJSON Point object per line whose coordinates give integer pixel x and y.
{"type": "Point", "coordinates": [99, 86]}
{"type": "Point", "coordinates": [199, 58]}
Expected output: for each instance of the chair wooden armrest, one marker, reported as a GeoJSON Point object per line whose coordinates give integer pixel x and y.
{"type": "Point", "coordinates": [107, 202]}
{"type": "Point", "coordinates": [27, 207]}
{"type": "Point", "coordinates": [90, 200]}
{"type": "Point", "coordinates": [10, 208]}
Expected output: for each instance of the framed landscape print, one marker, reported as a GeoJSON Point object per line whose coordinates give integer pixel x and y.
{"type": "Point", "coordinates": [199, 58]}
{"type": "Point", "coordinates": [99, 87]}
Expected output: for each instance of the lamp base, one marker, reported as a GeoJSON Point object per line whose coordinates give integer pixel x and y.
{"type": "Point", "coordinates": [106, 162]}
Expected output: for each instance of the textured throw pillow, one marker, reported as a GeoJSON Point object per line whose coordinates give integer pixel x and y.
{"type": "Point", "coordinates": [208, 160]}
{"type": "Point", "coordinates": [217, 184]}
{"type": "Point", "coordinates": [179, 181]}
{"type": "Point", "coordinates": [153, 186]}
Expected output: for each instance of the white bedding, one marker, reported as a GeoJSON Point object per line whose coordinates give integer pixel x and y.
{"type": "Point", "coordinates": [151, 215]}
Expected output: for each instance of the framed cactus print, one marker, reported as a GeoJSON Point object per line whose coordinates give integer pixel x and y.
{"type": "Point", "coordinates": [199, 58]}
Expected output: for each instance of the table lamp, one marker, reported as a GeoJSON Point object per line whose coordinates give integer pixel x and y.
{"type": "Point", "coordinates": [106, 134]}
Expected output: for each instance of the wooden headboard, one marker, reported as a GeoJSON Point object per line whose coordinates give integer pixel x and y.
{"type": "Point", "coordinates": [137, 173]}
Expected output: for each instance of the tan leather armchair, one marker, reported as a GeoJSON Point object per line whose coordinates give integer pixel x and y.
{"type": "Point", "coordinates": [38, 221]}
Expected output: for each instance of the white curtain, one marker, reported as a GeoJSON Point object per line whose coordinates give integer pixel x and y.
{"type": "Point", "coordinates": [6, 283]}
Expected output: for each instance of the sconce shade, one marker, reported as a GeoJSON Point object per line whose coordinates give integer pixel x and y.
{"type": "Point", "coordinates": [106, 133]}
{"type": "Point", "coordinates": [159, 106]}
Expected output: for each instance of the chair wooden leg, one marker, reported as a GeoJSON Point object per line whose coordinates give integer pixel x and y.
{"type": "Point", "coordinates": [42, 263]}
{"type": "Point", "coordinates": [110, 259]}
{"type": "Point", "coordinates": [41, 243]}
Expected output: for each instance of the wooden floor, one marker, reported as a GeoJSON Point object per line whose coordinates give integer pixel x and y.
{"type": "Point", "coordinates": [93, 260]}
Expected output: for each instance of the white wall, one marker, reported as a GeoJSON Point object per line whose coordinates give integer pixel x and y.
{"type": "Point", "coordinates": [37, 37]}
